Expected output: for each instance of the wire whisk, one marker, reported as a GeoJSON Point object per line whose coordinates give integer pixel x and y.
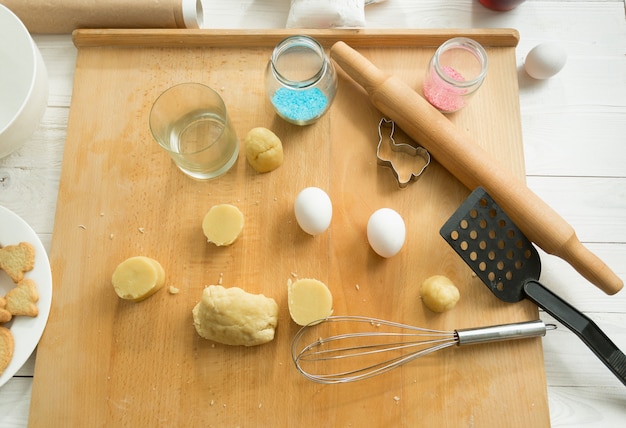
{"type": "Point", "coordinates": [357, 348]}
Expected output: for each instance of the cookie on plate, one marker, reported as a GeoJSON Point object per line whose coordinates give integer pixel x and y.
{"type": "Point", "coordinates": [22, 300]}
{"type": "Point", "coordinates": [5, 316]}
{"type": "Point", "coordinates": [7, 346]}
{"type": "Point", "coordinates": [15, 260]}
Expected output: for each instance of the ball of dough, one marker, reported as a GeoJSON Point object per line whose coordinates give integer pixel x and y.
{"type": "Point", "coordinates": [233, 316]}
{"type": "Point", "coordinates": [439, 293]}
{"type": "Point", "coordinates": [138, 278]}
{"type": "Point", "coordinates": [264, 149]}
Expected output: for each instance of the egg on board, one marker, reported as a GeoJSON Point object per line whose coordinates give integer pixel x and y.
{"type": "Point", "coordinates": [313, 210]}
{"type": "Point", "coordinates": [386, 232]}
{"type": "Point", "coordinates": [545, 60]}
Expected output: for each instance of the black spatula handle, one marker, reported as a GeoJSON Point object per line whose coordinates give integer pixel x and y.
{"type": "Point", "coordinates": [580, 324]}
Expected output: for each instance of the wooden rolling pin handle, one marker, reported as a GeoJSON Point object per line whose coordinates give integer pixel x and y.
{"type": "Point", "coordinates": [591, 267]}
{"type": "Point", "coordinates": [456, 151]}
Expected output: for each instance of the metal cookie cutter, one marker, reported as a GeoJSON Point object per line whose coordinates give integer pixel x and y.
{"type": "Point", "coordinates": [400, 147]}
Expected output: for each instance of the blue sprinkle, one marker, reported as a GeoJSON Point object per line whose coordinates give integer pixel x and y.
{"type": "Point", "coordinates": [300, 106]}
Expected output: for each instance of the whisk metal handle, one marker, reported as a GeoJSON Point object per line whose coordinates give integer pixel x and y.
{"type": "Point", "coordinates": [496, 333]}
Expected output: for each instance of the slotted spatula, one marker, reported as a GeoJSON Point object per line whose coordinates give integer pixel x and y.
{"type": "Point", "coordinates": [507, 262]}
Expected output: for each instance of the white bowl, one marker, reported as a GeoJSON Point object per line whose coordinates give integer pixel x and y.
{"type": "Point", "coordinates": [23, 83]}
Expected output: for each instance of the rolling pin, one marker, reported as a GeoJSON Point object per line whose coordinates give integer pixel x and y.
{"type": "Point", "coordinates": [459, 153]}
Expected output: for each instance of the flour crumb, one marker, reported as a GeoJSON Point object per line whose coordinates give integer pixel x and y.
{"type": "Point", "coordinates": [140, 229]}
{"type": "Point", "coordinates": [396, 399]}
{"type": "Point", "coordinates": [173, 290]}
{"type": "Point", "coordinates": [357, 287]}
{"type": "Point", "coordinates": [82, 226]}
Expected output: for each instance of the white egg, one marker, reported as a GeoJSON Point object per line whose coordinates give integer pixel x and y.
{"type": "Point", "coordinates": [313, 210]}
{"type": "Point", "coordinates": [545, 60]}
{"type": "Point", "coordinates": [386, 232]}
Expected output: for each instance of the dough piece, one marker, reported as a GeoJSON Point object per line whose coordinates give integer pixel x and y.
{"type": "Point", "coordinates": [223, 224]}
{"type": "Point", "coordinates": [310, 300]}
{"type": "Point", "coordinates": [439, 293]}
{"type": "Point", "coordinates": [7, 346]}
{"type": "Point", "coordinates": [5, 315]}
{"type": "Point", "coordinates": [22, 300]}
{"type": "Point", "coordinates": [233, 316]}
{"type": "Point", "coordinates": [138, 278]}
{"type": "Point", "coordinates": [15, 260]}
{"type": "Point", "coordinates": [264, 150]}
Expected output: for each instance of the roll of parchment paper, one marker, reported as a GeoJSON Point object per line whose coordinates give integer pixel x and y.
{"type": "Point", "coordinates": [64, 16]}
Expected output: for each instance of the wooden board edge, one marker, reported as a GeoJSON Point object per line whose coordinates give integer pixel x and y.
{"type": "Point", "coordinates": [494, 37]}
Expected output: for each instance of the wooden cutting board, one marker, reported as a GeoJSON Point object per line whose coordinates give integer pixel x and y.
{"type": "Point", "coordinates": [106, 362]}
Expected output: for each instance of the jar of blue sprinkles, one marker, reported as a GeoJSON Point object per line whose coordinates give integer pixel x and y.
{"type": "Point", "coordinates": [300, 80]}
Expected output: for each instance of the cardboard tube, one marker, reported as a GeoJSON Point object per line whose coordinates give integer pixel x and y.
{"type": "Point", "coordinates": [65, 16]}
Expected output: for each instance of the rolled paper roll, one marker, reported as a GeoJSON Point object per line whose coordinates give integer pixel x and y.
{"type": "Point", "coordinates": [65, 16]}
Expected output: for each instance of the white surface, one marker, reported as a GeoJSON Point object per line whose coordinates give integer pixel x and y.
{"type": "Point", "coordinates": [574, 128]}
{"type": "Point", "coordinates": [26, 330]}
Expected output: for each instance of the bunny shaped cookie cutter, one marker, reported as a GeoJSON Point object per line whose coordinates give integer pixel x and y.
{"type": "Point", "coordinates": [399, 147]}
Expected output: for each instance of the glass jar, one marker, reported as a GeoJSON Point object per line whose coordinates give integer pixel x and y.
{"type": "Point", "coordinates": [300, 80]}
{"type": "Point", "coordinates": [456, 71]}
{"type": "Point", "coordinates": [501, 5]}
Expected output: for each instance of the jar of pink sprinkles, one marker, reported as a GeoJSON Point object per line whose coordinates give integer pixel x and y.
{"type": "Point", "coordinates": [456, 71]}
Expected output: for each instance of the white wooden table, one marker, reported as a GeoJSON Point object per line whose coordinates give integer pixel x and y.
{"type": "Point", "coordinates": [574, 129]}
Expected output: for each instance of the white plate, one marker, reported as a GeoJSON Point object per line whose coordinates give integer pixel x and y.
{"type": "Point", "coordinates": [26, 330]}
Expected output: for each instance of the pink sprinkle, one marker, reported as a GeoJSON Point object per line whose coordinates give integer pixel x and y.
{"type": "Point", "coordinates": [441, 94]}
{"type": "Point", "coordinates": [451, 72]}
